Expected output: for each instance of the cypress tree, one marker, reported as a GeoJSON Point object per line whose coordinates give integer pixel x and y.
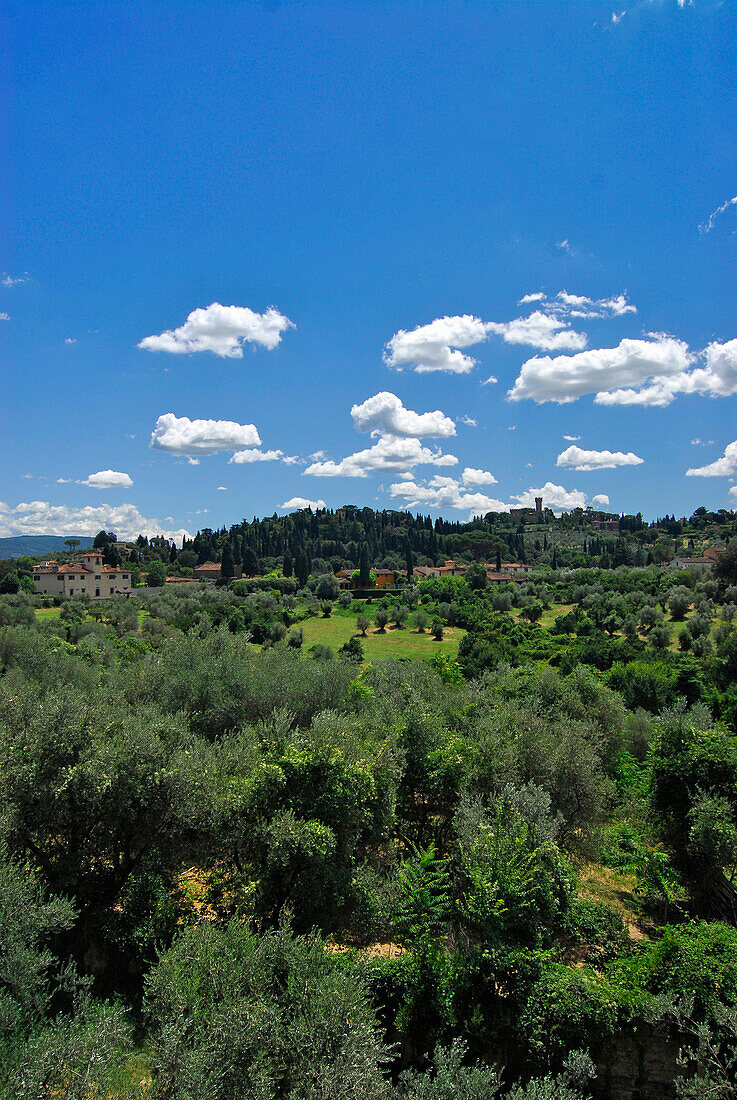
{"type": "Point", "coordinates": [250, 563]}
{"type": "Point", "coordinates": [408, 557]}
{"type": "Point", "coordinates": [301, 568]}
{"type": "Point", "coordinates": [364, 576]}
{"type": "Point", "coordinates": [288, 564]}
{"type": "Point", "coordinates": [227, 566]}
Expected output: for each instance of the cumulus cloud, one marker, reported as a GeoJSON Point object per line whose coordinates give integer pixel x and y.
{"type": "Point", "coordinates": [655, 368]}
{"type": "Point", "coordinates": [254, 455]}
{"type": "Point", "coordinates": [181, 436]}
{"type": "Point", "coordinates": [725, 466]}
{"type": "Point", "coordinates": [445, 492]}
{"type": "Point", "coordinates": [575, 458]}
{"type": "Point", "coordinates": [539, 330]}
{"type": "Point", "coordinates": [389, 453]}
{"type": "Point", "coordinates": [600, 498]}
{"type": "Point", "coordinates": [718, 378]}
{"type": "Point", "coordinates": [572, 438]}
{"type": "Point", "coordinates": [108, 479]}
{"type": "Point", "coordinates": [470, 476]}
{"type": "Point", "coordinates": [434, 347]}
{"type": "Point", "coordinates": [222, 330]}
{"type": "Point", "coordinates": [13, 280]}
{"type": "Point", "coordinates": [296, 504]}
{"type": "Point", "coordinates": [384, 414]}
{"type": "Point", "coordinates": [708, 225]}
{"type": "Point", "coordinates": [39, 517]}
{"type": "Point", "coordinates": [554, 496]}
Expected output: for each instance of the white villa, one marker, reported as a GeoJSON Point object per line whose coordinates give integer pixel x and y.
{"type": "Point", "coordinates": [91, 578]}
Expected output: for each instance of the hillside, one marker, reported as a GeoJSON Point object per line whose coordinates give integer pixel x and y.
{"type": "Point", "coordinates": [18, 546]}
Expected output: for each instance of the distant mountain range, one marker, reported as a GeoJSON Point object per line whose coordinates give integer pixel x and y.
{"type": "Point", "coordinates": [18, 545]}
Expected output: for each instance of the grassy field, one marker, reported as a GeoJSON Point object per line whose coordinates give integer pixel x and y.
{"type": "Point", "coordinates": [336, 631]}
{"type": "Point", "coordinates": [45, 613]}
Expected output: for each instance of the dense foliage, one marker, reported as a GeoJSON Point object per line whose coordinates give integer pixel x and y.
{"type": "Point", "coordinates": [232, 865]}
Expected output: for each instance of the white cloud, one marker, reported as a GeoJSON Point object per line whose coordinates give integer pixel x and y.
{"type": "Point", "coordinates": [719, 377]}
{"type": "Point", "coordinates": [656, 367]}
{"type": "Point", "coordinates": [469, 421]}
{"type": "Point", "coordinates": [295, 504]}
{"type": "Point", "coordinates": [708, 225]}
{"type": "Point", "coordinates": [554, 496]}
{"type": "Point", "coordinates": [617, 17]}
{"type": "Point", "coordinates": [580, 305]}
{"type": "Point", "coordinates": [434, 347]}
{"type": "Point", "coordinates": [575, 458]}
{"type": "Point", "coordinates": [108, 479]}
{"type": "Point", "coordinates": [63, 481]}
{"type": "Point", "coordinates": [600, 498]}
{"type": "Point", "coordinates": [565, 305]}
{"type": "Point", "coordinates": [470, 476]}
{"type": "Point", "coordinates": [39, 517]}
{"type": "Point", "coordinates": [4, 316]}
{"type": "Point", "coordinates": [564, 246]}
{"type": "Point", "coordinates": [254, 455]}
{"type": "Point", "coordinates": [222, 330]}
{"type": "Point", "coordinates": [181, 436]}
{"type": "Point", "coordinates": [572, 438]}
{"type": "Point", "coordinates": [384, 414]}
{"type": "Point", "coordinates": [489, 381]}
{"type": "Point", "coordinates": [222, 489]}
{"type": "Point", "coordinates": [539, 330]}
{"type": "Point", "coordinates": [389, 453]}
{"type": "Point", "coordinates": [70, 340]}
{"type": "Point", "coordinates": [445, 492]}
{"type": "Point", "coordinates": [733, 491]}
{"type": "Point", "coordinates": [13, 280]}
{"type": "Point", "coordinates": [725, 466]}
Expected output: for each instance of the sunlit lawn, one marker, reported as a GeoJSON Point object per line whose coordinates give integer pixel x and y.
{"type": "Point", "coordinates": [340, 627]}
{"type": "Point", "coordinates": [44, 613]}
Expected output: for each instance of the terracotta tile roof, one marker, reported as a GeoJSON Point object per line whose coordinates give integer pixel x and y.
{"type": "Point", "coordinates": [74, 569]}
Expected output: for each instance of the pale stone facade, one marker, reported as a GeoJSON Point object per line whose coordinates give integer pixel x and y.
{"type": "Point", "coordinates": [90, 578]}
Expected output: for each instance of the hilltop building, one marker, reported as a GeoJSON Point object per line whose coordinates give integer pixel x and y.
{"type": "Point", "coordinates": [528, 515]}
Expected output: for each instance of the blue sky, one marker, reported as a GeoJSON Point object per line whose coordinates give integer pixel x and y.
{"type": "Point", "coordinates": [372, 207]}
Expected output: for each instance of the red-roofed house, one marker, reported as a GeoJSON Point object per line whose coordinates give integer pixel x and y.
{"type": "Point", "coordinates": [91, 578]}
